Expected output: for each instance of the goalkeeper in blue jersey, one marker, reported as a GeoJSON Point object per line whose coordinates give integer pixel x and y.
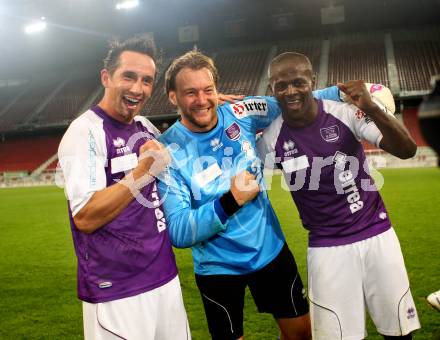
{"type": "Point", "coordinates": [216, 204]}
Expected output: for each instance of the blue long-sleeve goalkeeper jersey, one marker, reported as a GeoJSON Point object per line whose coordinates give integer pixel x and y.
{"type": "Point", "coordinates": [200, 173]}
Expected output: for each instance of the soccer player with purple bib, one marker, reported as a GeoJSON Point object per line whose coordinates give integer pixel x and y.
{"type": "Point", "coordinates": [354, 257]}
{"type": "Point", "coordinates": [127, 275]}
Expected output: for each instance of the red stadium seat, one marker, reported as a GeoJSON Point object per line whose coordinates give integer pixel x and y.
{"type": "Point", "coordinates": [27, 153]}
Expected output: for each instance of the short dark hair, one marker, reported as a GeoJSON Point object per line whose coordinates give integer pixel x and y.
{"type": "Point", "coordinates": [289, 56]}
{"type": "Point", "coordinates": [142, 43]}
{"type": "Point", "coordinates": [194, 60]}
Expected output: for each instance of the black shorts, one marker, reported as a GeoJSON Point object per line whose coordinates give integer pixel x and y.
{"type": "Point", "coordinates": [276, 288]}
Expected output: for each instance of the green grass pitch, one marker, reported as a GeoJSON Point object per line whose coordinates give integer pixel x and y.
{"type": "Point", "coordinates": [38, 267]}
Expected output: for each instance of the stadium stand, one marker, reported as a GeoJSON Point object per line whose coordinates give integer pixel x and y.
{"type": "Point", "coordinates": [25, 154]}
{"type": "Point", "coordinates": [66, 105]}
{"type": "Point", "coordinates": [417, 55]}
{"type": "Point", "coordinates": [17, 114]}
{"type": "Point", "coordinates": [411, 121]}
{"type": "Point", "coordinates": [159, 105]}
{"type": "Point", "coordinates": [7, 95]}
{"type": "Point", "coordinates": [368, 146]}
{"type": "Point", "coordinates": [358, 56]}
{"type": "Point", "coordinates": [309, 47]}
{"type": "Point", "coordinates": [53, 165]}
{"type": "Point", "coordinates": [240, 70]}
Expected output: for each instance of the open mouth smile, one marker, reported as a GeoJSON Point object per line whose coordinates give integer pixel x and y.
{"type": "Point", "coordinates": [130, 102]}
{"type": "Point", "coordinates": [294, 103]}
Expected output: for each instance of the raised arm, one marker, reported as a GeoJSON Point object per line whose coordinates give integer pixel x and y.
{"type": "Point", "coordinates": [395, 137]}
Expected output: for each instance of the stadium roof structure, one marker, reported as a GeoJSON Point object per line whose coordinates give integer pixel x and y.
{"type": "Point", "coordinates": [78, 30]}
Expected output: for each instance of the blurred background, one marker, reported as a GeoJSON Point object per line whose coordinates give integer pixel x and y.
{"type": "Point", "coordinates": [51, 53]}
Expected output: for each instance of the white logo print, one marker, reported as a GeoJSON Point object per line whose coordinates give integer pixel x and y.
{"type": "Point", "coordinates": [289, 148]}
{"type": "Point", "coordinates": [118, 142]}
{"type": "Point", "coordinates": [383, 215]}
{"type": "Point", "coordinates": [288, 145]}
{"type": "Point", "coordinates": [247, 148]}
{"type": "Point", "coordinates": [340, 159]}
{"type": "Point", "coordinates": [250, 107]}
{"type": "Point", "coordinates": [216, 144]}
{"type": "Point", "coordinates": [330, 134]}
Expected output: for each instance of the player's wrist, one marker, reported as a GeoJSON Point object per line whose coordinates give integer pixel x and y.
{"type": "Point", "coordinates": [229, 203]}
{"type": "Point", "coordinates": [372, 109]}
{"type": "Point", "coordinates": [137, 179]}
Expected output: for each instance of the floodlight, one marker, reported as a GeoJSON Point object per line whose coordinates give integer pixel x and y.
{"type": "Point", "coordinates": [35, 27]}
{"type": "Point", "coordinates": [127, 4]}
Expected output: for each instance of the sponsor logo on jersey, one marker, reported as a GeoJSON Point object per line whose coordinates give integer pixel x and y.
{"type": "Point", "coordinates": [160, 216]}
{"type": "Point", "coordinates": [411, 313]}
{"type": "Point", "coordinates": [216, 144]}
{"type": "Point", "coordinates": [118, 142]}
{"type": "Point", "coordinates": [288, 145]}
{"type": "Point", "coordinates": [340, 159]}
{"type": "Point", "coordinates": [125, 149]}
{"type": "Point", "coordinates": [359, 114]}
{"type": "Point", "coordinates": [249, 107]}
{"type": "Point", "coordinates": [304, 293]}
{"type": "Point", "coordinates": [233, 131]}
{"type": "Point", "coordinates": [105, 284]}
{"type": "Point", "coordinates": [353, 197]}
{"type": "Point", "coordinates": [383, 215]}
{"type": "Point", "coordinates": [376, 87]}
{"type": "Point", "coordinates": [92, 159]}
{"type": "Point", "coordinates": [330, 134]}
{"type": "Point", "coordinates": [289, 148]}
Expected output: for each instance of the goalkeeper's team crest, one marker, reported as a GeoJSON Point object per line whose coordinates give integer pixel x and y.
{"type": "Point", "coordinates": [233, 131]}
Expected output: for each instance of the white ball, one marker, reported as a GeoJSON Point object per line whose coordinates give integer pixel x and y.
{"type": "Point", "coordinates": [383, 95]}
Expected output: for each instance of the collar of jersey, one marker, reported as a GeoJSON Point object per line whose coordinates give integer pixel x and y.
{"type": "Point", "coordinates": [201, 135]}
{"type": "Point", "coordinates": [106, 117]}
{"type": "Point", "coordinates": [312, 124]}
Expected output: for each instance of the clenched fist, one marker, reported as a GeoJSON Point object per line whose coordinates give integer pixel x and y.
{"type": "Point", "coordinates": [153, 157]}
{"type": "Point", "coordinates": [358, 94]}
{"type": "Point", "coordinates": [244, 187]}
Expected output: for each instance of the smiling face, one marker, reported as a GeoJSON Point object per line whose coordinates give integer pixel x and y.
{"type": "Point", "coordinates": [195, 95]}
{"type": "Point", "coordinates": [129, 87]}
{"type": "Point", "coordinates": [291, 82]}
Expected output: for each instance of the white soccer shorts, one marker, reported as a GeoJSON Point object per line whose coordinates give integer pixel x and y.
{"type": "Point", "coordinates": [346, 280]}
{"type": "Point", "coordinates": [158, 314]}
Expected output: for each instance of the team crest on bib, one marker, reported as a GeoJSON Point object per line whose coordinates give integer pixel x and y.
{"type": "Point", "coordinates": [233, 131]}
{"type": "Point", "coordinates": [330, 134]}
